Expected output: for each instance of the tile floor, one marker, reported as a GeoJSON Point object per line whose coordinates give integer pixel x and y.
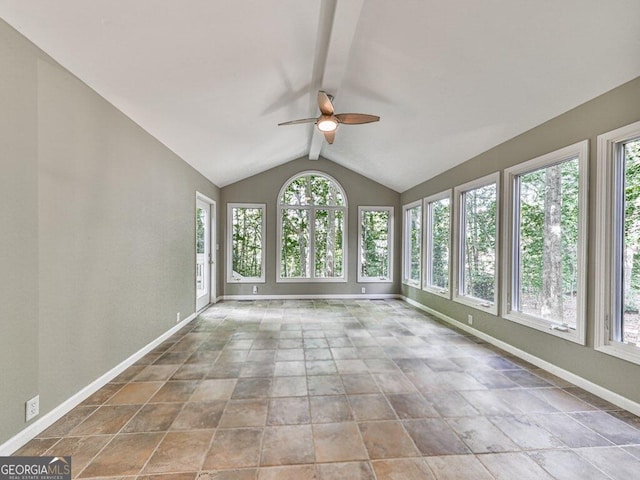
{"type": "Point", "coordinates": [339, 390]}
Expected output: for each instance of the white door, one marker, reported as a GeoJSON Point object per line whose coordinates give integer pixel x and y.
{"type": "Point", "coordinates": [203, 254]}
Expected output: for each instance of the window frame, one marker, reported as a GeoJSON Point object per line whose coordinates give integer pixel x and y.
{"type": "Point", "coordinates": [312, 217]}
{"type": "Point", "coordinates": [390, 224]}
{"type": "Point", "coordinates": [230, 207]}
{"type": "Point", "coordinates": [458, 261]}
{"type": "Point", "coordinates": [406, 249]}
{"type": "Point", "coordinates": [580, 151]}
{"type": "Point", "coordinates": [428, 243]}
{"type": "Point", "coordinates": [609, 145]}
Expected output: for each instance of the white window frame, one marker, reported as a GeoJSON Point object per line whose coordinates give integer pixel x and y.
{"type": "Point", "coordinates": [312, 208]}
{"type": "Point", "coordinates": [458, 263]}
{"type": "Point", "coordinates": [389, 277]}
{"type": "Point", "coordinates": [428, 241]}
{"type": "Point", "coordinates": [230, 277]}
{"type": "Point", "coordinates": [406, 248]}
{"type": "Point", "coordinates": [609, 145]}
{"type": "Point", "coordinates": [580, 151]}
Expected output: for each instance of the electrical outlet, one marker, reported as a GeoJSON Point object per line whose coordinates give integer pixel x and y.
{"type": "Point", "coordinates": [364, 290]}
{"type": "Point", "coordinates": [470, 319]}
{"type": "Point", "coordinates": [178, 317]}
{"type": "Point", "coordinates": [32, 408]}
{"type": "Point", "coordinates": [255, 289]}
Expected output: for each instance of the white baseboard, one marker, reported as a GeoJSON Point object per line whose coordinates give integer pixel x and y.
{"type": "Point", "coordinates": [348, 296]}
{"type": "Point", "coordinates": [22, 437]}
{"type": "Point", "coordinates": [612, 397]}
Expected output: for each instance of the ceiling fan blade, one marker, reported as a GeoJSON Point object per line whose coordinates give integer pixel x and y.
{"type": "Point", "coordinates": [329, 136]}
{"type": "Point", "coordinates": [302, 120]}
{"type": "Point", "coordinates": [324, 103]}
{"type": "Point", "coordinates": [356, 118]}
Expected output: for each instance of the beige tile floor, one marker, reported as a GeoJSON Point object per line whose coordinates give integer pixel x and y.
{"type": "Point", "coordinates": [339, 390]}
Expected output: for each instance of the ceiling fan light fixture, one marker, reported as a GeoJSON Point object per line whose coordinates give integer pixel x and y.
{"type": "Point", "coordinates": [327, 123]}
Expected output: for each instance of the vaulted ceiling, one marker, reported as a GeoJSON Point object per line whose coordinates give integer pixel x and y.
{"type": "Point", "coordinates": [211, 79]}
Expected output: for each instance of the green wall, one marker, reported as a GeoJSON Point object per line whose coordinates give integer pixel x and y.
{"type": "Point", "coordinates": [97, 242]}
{"type": "Point", "coordinates": [614, 109]}
{"type": "Point", "coordinates": [19, 294]}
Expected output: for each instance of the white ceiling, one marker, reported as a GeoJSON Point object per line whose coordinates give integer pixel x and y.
{"type": "Point", "coordinates": [211, 79]}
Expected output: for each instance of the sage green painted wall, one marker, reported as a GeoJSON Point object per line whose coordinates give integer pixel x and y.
{"type": "Point", "coordinates": [18, 231]}
{"type": "Point", "coordinates": [265, 187]}
{"type": "Point", "coordinates": [612, 110]}
{"type": "Point", "coordinates": [97, 246]}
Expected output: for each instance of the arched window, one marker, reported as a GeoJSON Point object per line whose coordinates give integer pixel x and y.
{"type": "Point", "coordinates": [312, 229]}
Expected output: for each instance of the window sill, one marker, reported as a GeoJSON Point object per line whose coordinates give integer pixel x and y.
{"type": "Point", "coordinates": [478, 304]}
{"type": "Point", "coordinates": [551, 328]}
{"type": "Point", "coordinates": [374, 280]}
{"type": "Point", "coordinates": [623, 351]}
{"type": "Point", "coordinates": [311, 280]}
{"type": "Point", "coordinates": [441, 292]}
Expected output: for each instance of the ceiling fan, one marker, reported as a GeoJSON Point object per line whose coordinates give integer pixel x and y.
{"type": "Point", "coordinates": [329, 121]}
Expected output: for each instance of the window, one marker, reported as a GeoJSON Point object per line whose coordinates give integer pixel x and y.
{"type": "Point", "coordinates": [477, 243]}
{"type": "Point", "coordinates": [312, 225]}
{"type": "Point", "coordinates": [412, 244]}
{"type": "Point", "coordinates": [205, 238]}
{"type": "Point", "coordinates": [376, 244]}
{"type": "Point", "coordinates": [618, 243]}
{"type": "Point", "coordinates": [545, 239]}
{"type": "Point", "coordinates": [438, 242]}
{"type": "Point", "coordinates": [245, 231]}
{"type": "Point", "coordinates": [201, 243]}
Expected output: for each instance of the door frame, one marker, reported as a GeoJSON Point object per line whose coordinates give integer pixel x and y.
{"type": "Point", "coordinates": [213, 250]}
